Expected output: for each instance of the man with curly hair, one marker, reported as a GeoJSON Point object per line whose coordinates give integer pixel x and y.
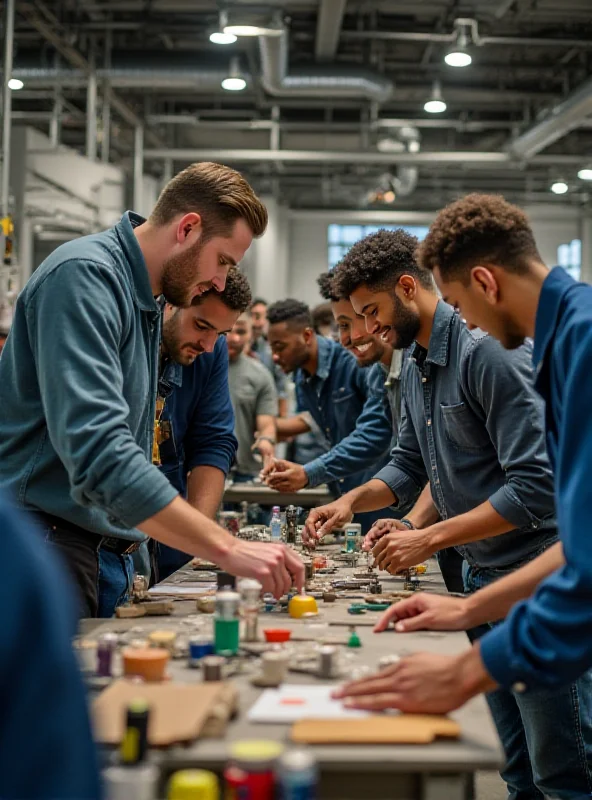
{"type": "Point", "coordinates": [474, 427]}
{"type": "Point", "coordinates": [195, 430]}
{"type": "Point", "coordinates": [347, 403]}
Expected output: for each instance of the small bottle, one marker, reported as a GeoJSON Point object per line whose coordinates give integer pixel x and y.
{"type": "Point", "coordinates": [133, 778]}
{"type": "Point", "coordinates": [298, 775]}
{"type": "Point", "coordinates": [276, 525]}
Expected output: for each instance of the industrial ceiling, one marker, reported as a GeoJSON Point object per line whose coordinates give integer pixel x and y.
{"type": "Point", "coordinates": [332, 113]}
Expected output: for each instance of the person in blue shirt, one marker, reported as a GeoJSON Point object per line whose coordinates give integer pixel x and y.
{"type": "Point", "coordinates": [46, 747]}
{"type": "Point", "coordinates": [197, 443]}
{"type": "Point", "coordinates": [484, 257]}
{"type": "Point", "coordinates": [474, 427]}
{"type": "Point", "coordinates": [78, 385]}
{"type": "Point", "coordinates": [348, 403]}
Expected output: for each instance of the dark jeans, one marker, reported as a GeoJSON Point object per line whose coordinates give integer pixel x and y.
{"type": "Point", "coordinates": [451, 562]}
{"type": "Point", "coordinates": [103, 577]}
{"type": "Point", "coordinates": [546, 734]}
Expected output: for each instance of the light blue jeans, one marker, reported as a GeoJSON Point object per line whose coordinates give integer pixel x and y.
{"type": "Point", "coordinates": [116, 574]}
{"type": "Point", "coordinates": [546, 734]}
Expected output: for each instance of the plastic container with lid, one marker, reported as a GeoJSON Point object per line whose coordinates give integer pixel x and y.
{"type": "Point", "coordinates": [297, 775]}
{"type": "Point", "coordinates": [251, 772]}
{"type": "Point", "coordinates": [193, 784]}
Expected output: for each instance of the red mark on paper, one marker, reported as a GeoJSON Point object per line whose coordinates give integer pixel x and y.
{"type": "Point", "coordinates": [292, 701]}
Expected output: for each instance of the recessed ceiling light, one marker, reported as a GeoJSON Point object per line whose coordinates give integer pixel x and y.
{"type": "Point", "coordinates": [559, 187]}
{"type": "Point", "coordinates": [15, 84]}
{"type": "Point", "coordinates": [220, 37]}
{"type": "Point", "coordinates": [585, 174]}
{"type": "Point", "coordinates": [234, 84]}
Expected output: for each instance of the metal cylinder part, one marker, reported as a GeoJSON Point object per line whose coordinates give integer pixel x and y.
{"type": "Point", "coordinates": [327, 661]}
{"type": "Point", "coordinates": [212, 668]}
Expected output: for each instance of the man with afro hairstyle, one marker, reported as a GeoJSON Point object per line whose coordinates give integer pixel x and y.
{"type": "Point", "coordinates": [474, 427]}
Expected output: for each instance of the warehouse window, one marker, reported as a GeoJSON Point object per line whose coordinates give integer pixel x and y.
{"type": "Point", "coordinates": [569, 256]}
{"type": "Point", "coordinates": [341, 237]}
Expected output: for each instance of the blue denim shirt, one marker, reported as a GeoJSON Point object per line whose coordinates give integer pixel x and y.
{"type": "Point", "coordinates": [78, 380]}
{"type": "Point", "coordinates": [349, 404]}
{"type": "Point", "coordinates": [547, 640]}
{"type": "Point", "coordinates": [198, 407]}
{"type": "Point", "coordinates": [474, 427]}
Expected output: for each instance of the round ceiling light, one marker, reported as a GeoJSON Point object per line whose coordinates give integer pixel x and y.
{"type": "Point", "coordinates": [458, 58]}
{"type": "Point", "coordinates": [234, 84]}
{"type": "Point", "coordinates": [15, 84]}
{"type": "Point", "coordinates": [559, 187]}
{"type": "Point", "coordinates": [585, 174]}
{"type": "Point", "coordinates": [220, 37]}
{"type": "Point", "coordinates": [435, 106]}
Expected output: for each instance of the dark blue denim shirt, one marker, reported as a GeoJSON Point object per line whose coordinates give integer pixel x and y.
{"type": "Point", "coordinates": [198, 408]}
{"type": "Point", "coordinates": [350, 405]}
{"type": "Point", "coordinates": [78, 378]}
{"type": "Point", "coordinates": [547, 640]}
{"type": "Point", "coordinates": [474, 427]}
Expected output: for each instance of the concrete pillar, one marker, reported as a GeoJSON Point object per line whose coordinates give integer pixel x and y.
{"type": "Point", "coordinates": [267, 259]}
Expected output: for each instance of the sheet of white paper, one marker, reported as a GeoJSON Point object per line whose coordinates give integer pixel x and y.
{"type": "Point", "coordinates": [292, 702]}
{"type": "Point", "coordinates": [182, 589]}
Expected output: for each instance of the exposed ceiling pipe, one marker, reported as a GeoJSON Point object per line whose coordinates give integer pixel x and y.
{"type": "Point", "coordinates": [469, 158]}
{"type": "Point", "coordinates": [333, 82]}
{"type": "Point", "coordinates": [446, 38]}
{"type": "Point", "coordinates": [558, 122]}
{"type": "Point", "coordinates": [329, 20]}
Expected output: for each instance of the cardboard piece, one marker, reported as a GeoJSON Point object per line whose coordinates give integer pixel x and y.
{"type": "Point", "coordinates": [178, 712]}
{"type": "Point", "coordinates": [399, 729]}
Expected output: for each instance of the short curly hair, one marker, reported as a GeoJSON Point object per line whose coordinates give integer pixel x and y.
{"type": "Point", "coordinates": [326, 287]}
{"type": "Point", "coordinates": [294, 312]}
{"type": "Point", "coordinates": [236, 295]}
{"type": "Point", "coordinates": [478, 229]}
{"type": "Point", "coordinates": [379, 260]}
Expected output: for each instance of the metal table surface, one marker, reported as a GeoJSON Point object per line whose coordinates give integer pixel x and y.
{"type": "Point", "coordinates": [264, 496]}
{"type": "Point", "coordinates": [443, 770]}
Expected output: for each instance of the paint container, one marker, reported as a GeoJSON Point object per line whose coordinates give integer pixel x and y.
{"type": "Point", "coordinates": [165, 640]}
{"type": "Point", "coordinates": [327, 662]}
{"type": "Point", "coordinates": [131, 783]}
{"type": "Point", "coordinates": [302, 604]}
{"type": "Point", "coordinates": [251, 773]}
{"type": "Point", "coordinates": [199, 647]}
{"type": "Point", "coordinates": [149, 664]}
{"type": "Point", "coordinates": [226, 623]}
{"type": "Point", "coordinates": [193, 784]}
{"type": "Point", "coordinates": [297, 775]}
{"type": "Point", "coordinates": [212, 668]}
{"type": "Point", "coordinates": [105, 649]}
{"type": "Point", "coordinates": [86, 653]}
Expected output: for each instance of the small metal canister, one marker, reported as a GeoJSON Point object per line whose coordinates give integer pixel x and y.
{"type": "Point", "coordinates": [327, 662]}
{"type": "Point", "coordinates": [212, 667]}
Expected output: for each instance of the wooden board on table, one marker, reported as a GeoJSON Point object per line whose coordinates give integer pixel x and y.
{"type": "Point", "coordinates": [178, 712]}
{"type": "Point", "coordinates": [400, 729]}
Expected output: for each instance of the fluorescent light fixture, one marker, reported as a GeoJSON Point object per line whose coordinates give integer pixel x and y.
{"type": "Point", "coordinates": [559, 187]}
{"type": "Point", "coordinates": [234, 84]}
{"type": "Point", "coordinates": [15, 84]}
{"type": "Point", "coordinates": [585, 174]}
{"type": "Point", "coordinates": [436, 103]}
{"type": "Point", "coordinates": [220, 37]}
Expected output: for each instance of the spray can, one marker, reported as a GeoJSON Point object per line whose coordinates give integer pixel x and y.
{"type": "Point", "coordinates": [297, 775]}
{"type": "Point", "coordinates": [133, 778]}
{"type": "Point", "coordinates": [291, 524]}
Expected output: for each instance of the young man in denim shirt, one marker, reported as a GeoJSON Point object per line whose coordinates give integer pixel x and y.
{"type": "Point", "coordinates": [474, 427]}
{"type": "Point", "coordinates": [197, 444]}
{"type": "Point", "coordinates": [348, 404]}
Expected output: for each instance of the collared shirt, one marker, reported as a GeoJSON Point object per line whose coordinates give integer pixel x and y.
{"type": "Point", "coordinates": [349, 405]}
{"type": "Point", "coordinates": [474, 428]}
{"type": "Point", "coordinates": [78, 379]}
{"type": "Point", "coordinates": [392, 385]}
{"type": "Point", "coordinates": [197, 416]}
{"type": "Point", "coordinates": [547, 640]}
{"type": "Point", "coordinates": [253, 394]}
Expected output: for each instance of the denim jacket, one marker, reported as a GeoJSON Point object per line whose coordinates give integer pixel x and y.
{"type": "Point", "coordinates": [547, 640]}
{"type": "Point", "coordinates": [350, 406]}
{"type": "Point", "coordinates": [78, 379]}
{"type": "Point", "coordinates": [198, 408]}
{"type": "Point", "coordinates": [474, 427]}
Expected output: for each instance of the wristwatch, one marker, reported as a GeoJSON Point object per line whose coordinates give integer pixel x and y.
{"type": "Point", "coordinates": [266, 439]}
{"type": "Point", "coordinates": [407, 523]}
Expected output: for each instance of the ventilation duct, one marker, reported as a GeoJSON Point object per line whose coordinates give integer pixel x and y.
{"type": "Point", "coordinates": [317, 82]}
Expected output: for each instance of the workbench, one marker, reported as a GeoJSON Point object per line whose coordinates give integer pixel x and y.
{"type": "Point", "coordinates": [264, 496]}
{"type": "Point", "coordinates": [443, 770]}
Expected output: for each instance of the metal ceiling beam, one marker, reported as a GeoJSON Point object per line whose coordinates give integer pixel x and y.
{"type": "Point", "coordinates": [349, 157]}
{"type": "Point", "coordinates": [329, 21]}
{"type": "Point", "coordinates": [42, 19]}
{"type": "Point", "coordinates": [445, 38]}
{"type": "Point", "coordinates": [559, 121]}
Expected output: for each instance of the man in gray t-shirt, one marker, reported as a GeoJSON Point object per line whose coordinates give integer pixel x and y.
{"type": "Point", "coordinates": [254, 400]}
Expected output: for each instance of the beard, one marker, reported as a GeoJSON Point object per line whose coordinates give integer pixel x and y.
{"type": "Point", "coordinates": [407, 325]}
{"type": "Point", "coordinates": [172, 344]}
{"type": "Point", "coordinates": [180, 274]}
